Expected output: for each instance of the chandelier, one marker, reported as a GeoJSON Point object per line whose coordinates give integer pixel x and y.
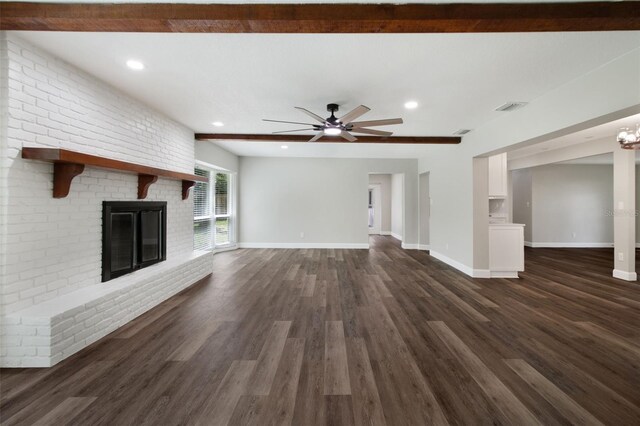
{"type": "Point", "coordinates": [628, 138]}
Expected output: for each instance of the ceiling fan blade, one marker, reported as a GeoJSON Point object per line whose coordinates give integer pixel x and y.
{"type": "Point", "coordinates": [386, 122]}
{"type": "Point", "coordinates": [371, 132]}
{"type": "Point", "coordinates": [296, 130]}
{"type": "Point", "coordinates": [289, 122]}
{"type": "Point", "coordinates": [316, 137]}
{"type": "Point", "coordinates": [312, 115]}
{"type": "Point", "coordinates": [353, 114]}
{"type": "Point", "coordinates": [348, 136]}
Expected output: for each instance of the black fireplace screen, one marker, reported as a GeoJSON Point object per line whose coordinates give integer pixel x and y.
{"type": "Point", "coordinates": [133, 236]}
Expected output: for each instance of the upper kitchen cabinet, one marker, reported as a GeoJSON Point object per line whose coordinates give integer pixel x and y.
{"type": "Point", "coordinates": [498, 176]}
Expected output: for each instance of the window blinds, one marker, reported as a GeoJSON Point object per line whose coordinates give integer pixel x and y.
{"type": "Point", "coordinates": [202, 229]}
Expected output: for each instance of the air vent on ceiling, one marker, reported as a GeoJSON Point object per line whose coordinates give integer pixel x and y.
{"type": "Point", "coordinates": [511, 106]}
{"type": "Point", "coordinates": [461, 132]}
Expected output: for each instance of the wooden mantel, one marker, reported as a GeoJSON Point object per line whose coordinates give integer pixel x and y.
{"type": "Point", "coordinates": [69, 164]}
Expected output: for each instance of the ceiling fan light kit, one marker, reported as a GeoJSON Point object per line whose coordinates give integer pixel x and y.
{"type": "Point", "coordinates": [628, 138]}
{"type": "Point", "coordinates": [343, 126]}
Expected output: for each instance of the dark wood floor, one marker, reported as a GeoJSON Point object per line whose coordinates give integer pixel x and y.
{"type": "Point", "coordinates": [385, 336]}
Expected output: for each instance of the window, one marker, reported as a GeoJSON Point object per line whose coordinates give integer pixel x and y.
{"type": "Point", "coordinates": [213, 210]}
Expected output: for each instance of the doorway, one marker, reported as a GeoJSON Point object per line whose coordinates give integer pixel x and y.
{"type": "Point", "coordinates": [375, 210]}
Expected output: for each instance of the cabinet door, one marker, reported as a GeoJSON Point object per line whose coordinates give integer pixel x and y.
{"type": "Point", "coordinates": [498, 175]}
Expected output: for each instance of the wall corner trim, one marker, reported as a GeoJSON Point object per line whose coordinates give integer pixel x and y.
{"type": "Point", "coordinates": [396, 236]}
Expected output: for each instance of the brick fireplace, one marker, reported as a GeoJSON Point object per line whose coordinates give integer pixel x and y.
{"type": "Point", "coordinates": [52, 297]}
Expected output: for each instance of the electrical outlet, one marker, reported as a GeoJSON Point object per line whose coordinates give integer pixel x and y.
{"type": "Point", "coordinates": [574, 235]}
{"type": "Point", "coordinates": [447, 246]}
{"type": "Point", "coordinates": [621, 257]}
{"type": "Point", "coordinates": [302, 235]}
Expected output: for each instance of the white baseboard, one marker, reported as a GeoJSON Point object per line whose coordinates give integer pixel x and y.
{"type": "Point", "coordinates": [637, 245]}
{"type": "Point", "coordinates": [567, 245]}
{"type": "Point", "coordinates": [396, 236]}
{"type": "Point", "coordinates": [482, 273]}
{"type": "Point", "coordinates": [424, 247]}
{"type": "Point", "coordinates": [474, 273]}
{"type": "Point", "coordinates": [504, 274]}
{"type": "Point", "coordinates": [385, 232]}
{"type": "Point", "coordinates": [222, 249]}
{"type": "Point", "coordinates": [410, 246]}
{"type": "Point", "coordinates": [454, 263]}
{"type": "Point", "coordinates": [305, 245]}
{"type": "Point", "coordinates": [624, 275]}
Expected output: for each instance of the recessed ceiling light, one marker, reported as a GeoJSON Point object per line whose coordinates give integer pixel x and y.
{"type": "Point", "coordinates": [411, 105]}
{"type": "Point", "coordinates": [284, 147]}
{"type": "Point", "coordinates": [218, 123]}
{"type": "Point", "coordinates": [135, 65]}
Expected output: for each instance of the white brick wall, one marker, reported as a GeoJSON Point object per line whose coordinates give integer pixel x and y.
{"type": "Point", "coordinates": [45, 334]}
{"type": "Point", "coordinates": [52, 247]}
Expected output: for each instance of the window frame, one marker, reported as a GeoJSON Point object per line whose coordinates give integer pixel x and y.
{"type": "Point", "coordinates": [231, 208]}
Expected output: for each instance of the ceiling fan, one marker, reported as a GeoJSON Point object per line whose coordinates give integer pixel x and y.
{"type": "Point", "coordinates": [343, 126]}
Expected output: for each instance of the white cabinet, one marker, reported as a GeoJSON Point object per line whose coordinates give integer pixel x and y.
{"type": "Point", "coordinates": [498, 176]}
{"type": "Point", "coordinates": [506, 250]}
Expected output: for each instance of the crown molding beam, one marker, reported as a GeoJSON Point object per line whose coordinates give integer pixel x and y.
{"type": "Point", "coordinates": [321, 18]}
{"type": "Point", "coordinates": [305, 138]}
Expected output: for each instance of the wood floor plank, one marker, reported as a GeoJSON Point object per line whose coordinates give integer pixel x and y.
{"type": "Point", "coordinates": [309, 286]}
{"type": "Point", "coordinates": [336, 365]}
{"type": "Point", "coordinates": [267, 363]}
{"type": "Point", "coordinates": [457, 301]}
{"type": "Point", "coordinates": [194, 342]}
{"type": "Point", "coordinates": [281, 401]}
{"type": "Point", "coordinates": [396, 336]}
{"type": "Point", "coordinates": [573, 412]}
{"type": "Point", "coordinates": [149, 318]}
{"type": "Point", "coordinates": [220, 406]}
{"type": "Point", "coordinates": [66, 411]}
{"type": "Point", "coordinates": [610, 337]}
{"type": "Point", "coordinates": [506, 401]}
{"type": "Point", "coordinates": [367, 408]}
{"type": "Point", "coordinates": [310, 402]}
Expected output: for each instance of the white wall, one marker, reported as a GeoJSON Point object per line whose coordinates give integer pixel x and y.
{"type": "Point", "coordinates": [385, 199]}
{"type": "Point", "coordinates": [522, 199]}
{"type": "Point", "coordinates": [324, 198]}
{"type": "Point", "coordinates": [637, 202]}
{"type": "Point", "coordinates": [566, 199]}
{"type": "Point", "coordinates": [604, 94]}
{"type": "Point", "coordinates": [210, 153]}
{"type": "Point", "coordinates": [424, 209]}
{"type": "Point", "coordinates": [53, 246]}
{"type": "Point", "coordinates": [397, 205]}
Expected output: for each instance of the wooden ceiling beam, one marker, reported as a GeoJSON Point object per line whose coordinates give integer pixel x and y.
{"type": "Point", "coordinates": [305, 138]}
{"type": "Point", "coordinates": [321, 18]}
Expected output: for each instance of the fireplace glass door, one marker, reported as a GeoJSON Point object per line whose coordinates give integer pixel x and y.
{"type": "Point", "coordinates": [133, 236]}
{"type": "Point", "coordinates": [122, 241]}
